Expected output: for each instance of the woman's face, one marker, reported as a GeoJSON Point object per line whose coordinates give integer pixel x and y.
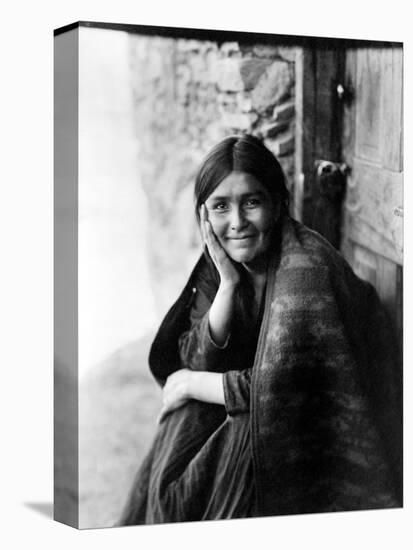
{"type": "Point", "coordinates": [242, 216]}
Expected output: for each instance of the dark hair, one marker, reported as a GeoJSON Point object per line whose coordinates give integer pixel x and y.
{"type": "Point", "coordinates": [247, 154]}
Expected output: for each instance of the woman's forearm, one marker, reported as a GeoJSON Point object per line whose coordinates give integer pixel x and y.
{"type": "Point", "coordinates": [207, 387]}
{"type": "Point", "coordinates": [220, 314]}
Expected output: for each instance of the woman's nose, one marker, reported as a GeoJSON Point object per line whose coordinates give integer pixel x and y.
{"type": "Point", "coordinates": [237, 220]}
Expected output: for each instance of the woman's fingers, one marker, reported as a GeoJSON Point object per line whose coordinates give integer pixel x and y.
{"type": "Point", "coordinates": [175, 392]}
{"type": "Point", "coordinates": [162, 414]}
{"type": "Point", "coordinates": [168, 408]}
{"type": "Point", "coordinates": [211, 239]}
{"type": "Point", "coordinates": [207, 232]}
{"type": "Point", "coordinates": [165, 409]}
{"type": "Point", "coordinates": [218, 254]}
{"type": "Point", "coordinates": [204, 219]}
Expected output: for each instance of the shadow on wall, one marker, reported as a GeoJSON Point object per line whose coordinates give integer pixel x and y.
{"type": "Point", "coordinates": [119, 402]}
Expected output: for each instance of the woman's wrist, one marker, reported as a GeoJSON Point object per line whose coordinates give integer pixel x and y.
{"type": "Point", "coordinates": [193, 384]}
{"type": "Point", "coordinates": [229, 285]}
{"type": "Point", "coordinates": [226, 292]}
{"type": "Point", "coordinates": [206, 386]}
{"type": "Point", "coordinates": [220, 313]}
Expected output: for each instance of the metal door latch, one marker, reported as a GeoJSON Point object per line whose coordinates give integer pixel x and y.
{"type": "Point", "coordinates": [345, 94]}
{"type": "Point", "coordinates": [326, 167]}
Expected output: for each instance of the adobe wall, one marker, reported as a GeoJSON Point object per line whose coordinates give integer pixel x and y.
{"type": "Point", "coordinates": [188, 95]}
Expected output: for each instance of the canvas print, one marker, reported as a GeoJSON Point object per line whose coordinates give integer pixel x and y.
{"type": "Point", "coordinates": [228, 275]}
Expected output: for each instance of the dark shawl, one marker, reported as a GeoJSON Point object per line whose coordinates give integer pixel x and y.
{"type": "Point", "coordinates": [326, 412]}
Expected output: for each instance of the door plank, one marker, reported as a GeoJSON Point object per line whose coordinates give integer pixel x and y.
{"type": "Point", "coordinates": [369, 98]}
{"type": "Point", "coordinates": [375, 184]}
{"type": "Point", "coordinates": [392, 109]}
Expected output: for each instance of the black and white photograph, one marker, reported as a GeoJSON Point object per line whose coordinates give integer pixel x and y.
{"type": "Point", "coordinates": [205, 285]}
{"type": "Point", "coordinates": [229, 251]}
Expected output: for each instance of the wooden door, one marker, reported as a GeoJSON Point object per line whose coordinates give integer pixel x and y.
{"type": "Point", "coordinates": [372, 229]}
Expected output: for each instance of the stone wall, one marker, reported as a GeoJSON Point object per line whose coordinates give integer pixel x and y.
{"type": "Point", "coordinates": [188, 95]}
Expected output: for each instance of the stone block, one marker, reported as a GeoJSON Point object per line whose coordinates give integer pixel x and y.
{"type": "Point", "coordinates": [284, 112]}
{"type": "Point", "coordinates": [225, 108]}
{"type": "Point", "coordinates": [244, 103]}
{"type": "Point", "coordinates": [273, 129]}
{"type": "Point", "coordinates": [239, 121]}
{"type": "Point", "coordinates": [274, 85]}
{"type": "Point", "coordinates": [263, 50]}
{"type": "Point", "coordinates": [230, 48]}
{"type": "Point", "coordinates": [251, 71]}
{"type": "Point", "coordinates": [211, 61]}
{"type": "Point", "coordinates": [183, 79]}
{"type": "Point", "coordinates": [227, 99]}
{"type": "Point", "coordinates": [210, 47]}
{"type": "Point", "coordinates": [287, 52]}
{"type": "Point", "coordinates": [189, 45]}
{"type": "Point", "coordinates": [198, 68]}
{"type": "Point", "coordinates": [282, 146]}
{"type": "Point", "coordinates": [228, 75]}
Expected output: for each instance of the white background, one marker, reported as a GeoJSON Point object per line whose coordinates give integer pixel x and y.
{"type": "Point", "coordinates": [26, 283]}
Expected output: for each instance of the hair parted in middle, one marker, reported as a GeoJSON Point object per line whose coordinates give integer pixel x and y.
{"type": "Point", "coordinates": [241, 153]}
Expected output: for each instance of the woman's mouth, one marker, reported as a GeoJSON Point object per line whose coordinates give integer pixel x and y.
{"type": "Point", "coordinates": [241, 238]}
{"type": "Point", "coordinates": [245, 240]}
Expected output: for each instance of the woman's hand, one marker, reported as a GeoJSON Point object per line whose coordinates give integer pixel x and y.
{"type": "Point", "coordinates": [184, 384]}
{"type": "Point", "coordinates": [176, 392]}
{"type": "Point", "coordinates": [228, 273]}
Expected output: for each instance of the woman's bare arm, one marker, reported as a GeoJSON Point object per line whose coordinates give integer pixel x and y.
{"type": "Point", "coordinates": [230, 389]}
{"type": "Point", "coordinates": [186, 384]}
{"type": "Point", "coordinates": [221, 311]}
{"type": "Point", "coordinates": [207, 387]}
{"type": "Point", "coordinates": [220, 314]}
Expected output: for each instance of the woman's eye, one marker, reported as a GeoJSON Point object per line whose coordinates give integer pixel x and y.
{"type": "Point", "coordinates": [220, 206]}
{"type": "Point", "coordinates": [252, 203]}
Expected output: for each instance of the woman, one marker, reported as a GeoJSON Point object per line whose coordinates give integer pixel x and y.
{"type": "Point", "coordinates": [280, 379]}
